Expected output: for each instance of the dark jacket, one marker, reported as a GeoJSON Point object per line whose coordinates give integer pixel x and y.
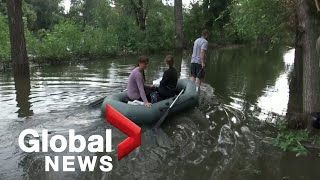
{"type": "Point", "coordinates": [168, 83]}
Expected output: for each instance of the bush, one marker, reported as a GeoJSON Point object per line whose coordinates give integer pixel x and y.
{"type": "Point", "coordinates": [98, 41]}
{"type": "Point", "coordinates": [67, 40]}
{"type": "Point", "coordinates": [159, 34]}
{"type": "Point", "coordinates": [63, 41]}
{"type": "Point", "coordinates": [294, 140]}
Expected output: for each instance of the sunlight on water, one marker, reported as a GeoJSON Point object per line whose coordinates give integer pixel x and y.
{"type": "Point", "coordinates": [275, 98]}
{"type": "Point", "coordinates": [185, 68]}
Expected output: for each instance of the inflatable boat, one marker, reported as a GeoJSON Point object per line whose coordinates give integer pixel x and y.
{"type": "Point", "coordinates": [140, 114]}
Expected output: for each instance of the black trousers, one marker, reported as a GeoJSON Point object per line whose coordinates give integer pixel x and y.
{"type": "Point", "coordinates": [166, 93]}
{"type": "Point", "coordinates": [148, 90]}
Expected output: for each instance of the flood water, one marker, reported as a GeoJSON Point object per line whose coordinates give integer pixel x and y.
{"type": "Point", "coordinates": [229, 136]}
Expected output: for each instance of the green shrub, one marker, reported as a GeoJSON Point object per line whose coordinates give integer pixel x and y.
{"type": "Point", "coordinates": [98, 41]}
{"type": "Point", "coordinates": [294, 140]}
{"type": "Point", "coordinates": [63, 41]}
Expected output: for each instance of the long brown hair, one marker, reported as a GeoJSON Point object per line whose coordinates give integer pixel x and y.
{"type": "Point", "coordinates": [143, 59]}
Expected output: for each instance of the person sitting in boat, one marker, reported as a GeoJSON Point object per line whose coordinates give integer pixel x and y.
{"type": "Point", "coordinates": [137, 90]}
{"type": "Point", "coordinates": [169, 80]}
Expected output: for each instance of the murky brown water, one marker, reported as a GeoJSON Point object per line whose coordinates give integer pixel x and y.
{"type": "Point", "coordinates": [229, 136]}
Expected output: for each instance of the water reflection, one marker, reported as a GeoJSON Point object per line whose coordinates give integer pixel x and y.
{"type": "Point", "coordinates": [240, 77]}
{"type": "Point", "coordinates": [276, 96]}
{"type": "Point", "coordinates": [22, 87]}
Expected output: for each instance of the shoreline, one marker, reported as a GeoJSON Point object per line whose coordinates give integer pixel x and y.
{"type": "Point", "coordinates": [6, 65]}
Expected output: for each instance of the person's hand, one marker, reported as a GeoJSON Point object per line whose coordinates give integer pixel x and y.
{"type": "Point", "coordinates": [203, 65]}
{"type": "Point", "coordinates": [147, 104]}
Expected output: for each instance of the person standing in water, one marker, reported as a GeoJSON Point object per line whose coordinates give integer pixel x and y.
{"type": "Point", "coordinates": [169, 79]}
{"type": "Point", "coordinates": [198, 60]}
{"type": "Point", "coordinates": [137, 90]}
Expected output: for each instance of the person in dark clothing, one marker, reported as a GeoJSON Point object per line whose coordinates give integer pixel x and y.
{"type": "Point", "coordinates": [169, 80]}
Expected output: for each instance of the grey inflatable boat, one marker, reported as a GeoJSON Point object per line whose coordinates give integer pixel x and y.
{"type": "Point", "coordinates": [140, 114]}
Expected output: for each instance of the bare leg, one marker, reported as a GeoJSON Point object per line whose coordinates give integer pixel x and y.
{"type": "Point", "coordinates": [192, 79]}
{"type": "Point", "coordinates": [198, 83]}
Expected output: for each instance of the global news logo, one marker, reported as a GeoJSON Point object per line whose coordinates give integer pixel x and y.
{"type": "Point", "coordinates": [94, 144]}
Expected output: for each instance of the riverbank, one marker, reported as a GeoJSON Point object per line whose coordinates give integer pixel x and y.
{"type": "Point", "coordinates": [46, 61]}
{"type": "Point", "coordinates": [82, 57]}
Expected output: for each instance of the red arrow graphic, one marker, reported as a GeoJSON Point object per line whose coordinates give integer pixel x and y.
{"type": "Point", "coordinates": [126, 126]}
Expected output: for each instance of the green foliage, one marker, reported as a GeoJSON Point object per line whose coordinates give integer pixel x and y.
{"type": "Point", "coordinates": [128, 33]}
{"type": "Point", "coordinates": [98, 28]}
{"type": "Point", "coordinates": [4, 39]}
{"type": "Point", "coordinates": [214, 16]}
{"type": "Point", "coordinates": [103, 15]}
{"type": "Point", "coordinates": [62, 41]}
{"type": "Point", "coordinates": [294, 140]}
{"type": "Point", "coordinates": [129, 7]}
{"type": "Point", "coordinates": [260, 20]}
{"type": "Point", "coordinates": [194, 23]}
{"type": "Point", "coordinates": [98, 41]}
{"type": "Point", "coordinates": [3, 8]}
{"type": "Point", "coordinates": [159, 33]}
{"type": "Point", "coordinates": [67, 40]}
{"type": "Point", "coordinates": [29, 13]}
{"type": "Point", "coordinates": [42, 14]}
{"type": "Point", "coordinates": [239, 21]}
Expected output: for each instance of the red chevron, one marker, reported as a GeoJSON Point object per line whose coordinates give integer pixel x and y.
{"type": "Point", "coordinates": [126, 126]}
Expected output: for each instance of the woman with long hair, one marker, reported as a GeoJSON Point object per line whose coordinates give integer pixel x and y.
{"type": "Point", "coordinates": [137, 90]}
{"type": "Point", "coordinates": [169, 79]}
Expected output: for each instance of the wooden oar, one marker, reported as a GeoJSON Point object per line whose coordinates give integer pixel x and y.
{"type": "Point", "coordinates": [167, 112]}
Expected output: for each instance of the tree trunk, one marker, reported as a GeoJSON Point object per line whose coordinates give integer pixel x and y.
{"type": "Point", "coordinates": [308, 26]}
{"type": "Point", "coordinates": [140, 13]}
{"type": "Point", "coordinates": [295, 108]}
{"type": "Point", "coordinates": [178, 58]}
{"type": "Point", "coordinates": [18, 43]}
{"type": "Point", "coordinates": [179, 24]}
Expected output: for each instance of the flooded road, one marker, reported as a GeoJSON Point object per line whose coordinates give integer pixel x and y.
{"type": "Point", "coordinates": [229, 136]}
